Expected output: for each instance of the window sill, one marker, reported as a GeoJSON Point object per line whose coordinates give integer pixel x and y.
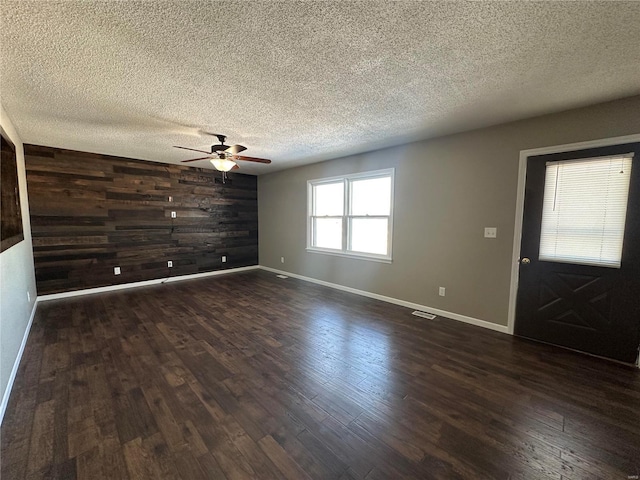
{"type": "Point", "coordinates": [357, 256]}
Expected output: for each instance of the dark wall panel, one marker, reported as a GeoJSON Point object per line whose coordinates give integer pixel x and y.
{"type": "Point", "coordinates": [90, 213]}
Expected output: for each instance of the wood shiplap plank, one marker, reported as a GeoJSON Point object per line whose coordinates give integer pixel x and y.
{"type": "Point", "coordinates": [90, 213]}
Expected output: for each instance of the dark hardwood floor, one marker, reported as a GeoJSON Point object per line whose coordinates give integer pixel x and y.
{"type": "Point", "coordinates": [251, 376]}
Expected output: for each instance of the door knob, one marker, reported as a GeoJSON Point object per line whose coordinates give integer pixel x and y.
{"type": "Point", "coordinates": [525, 261]}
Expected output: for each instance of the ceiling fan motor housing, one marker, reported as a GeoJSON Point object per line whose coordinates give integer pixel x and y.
{"type": "Point", "coordinates": [223, 152]}
{"type": "Point", "coordinates": [221, 147]}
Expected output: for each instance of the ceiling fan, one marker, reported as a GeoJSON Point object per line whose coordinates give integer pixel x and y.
{"type": "Point", "coordinates": [223, 157]}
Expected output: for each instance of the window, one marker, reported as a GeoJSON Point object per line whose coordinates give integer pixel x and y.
{"type": "Point", "coordinates": [584, 210]}
{"type": "Point", "coordinates": [352, 215]}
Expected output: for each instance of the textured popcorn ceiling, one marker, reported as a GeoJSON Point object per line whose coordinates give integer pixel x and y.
{"type": "Point", "coordinates": [301, 81]}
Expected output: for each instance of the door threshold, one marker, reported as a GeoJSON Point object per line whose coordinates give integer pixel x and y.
{"type": "Point", "coordinates": [635, 364]}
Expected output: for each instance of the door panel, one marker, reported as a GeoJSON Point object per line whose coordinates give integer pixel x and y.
{"type": "Point", "coordinates": [589, 308]}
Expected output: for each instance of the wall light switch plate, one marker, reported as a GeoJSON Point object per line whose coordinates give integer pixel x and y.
{"type": "Point", "coordinates": [174, 215]}
{"type": "Point", "coordinates": [490, 232]}
{"type": "Point", "coordinates": [281, 259]}
{"type": "Point", "coordinates": [169, 264]}
{"type": "Point", "coordinates": [224, 259]}
{"type": "Point", "coordinates": [116, 270]}
{"type": "Point", "coordinates": [441, 291]}
{"type": "Point", "coordinates": [170, 198]}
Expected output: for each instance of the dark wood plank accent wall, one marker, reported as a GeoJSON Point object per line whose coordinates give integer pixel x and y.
{"type": "Point", "coordinates": [91, 213]}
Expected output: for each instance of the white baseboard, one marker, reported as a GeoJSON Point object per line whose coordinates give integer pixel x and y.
{"type": "Point", "coordinates": [415, 306]}
{"type": "Point", "coordinates": [155, 281]}
{"type": "Point", "coordinates": [16, 364]}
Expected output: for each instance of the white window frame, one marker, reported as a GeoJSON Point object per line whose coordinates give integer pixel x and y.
{"type": "Point", "coordinates": [346, 180]}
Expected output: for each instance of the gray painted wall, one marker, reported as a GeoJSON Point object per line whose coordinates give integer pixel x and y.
{"type": "Point", "coordinates": [447, 190]}
{"type": "Point", "coordinates": [16, 278]}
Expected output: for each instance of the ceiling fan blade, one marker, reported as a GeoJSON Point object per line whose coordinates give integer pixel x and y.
{"type": "Point", "coordinates": [235, 149]}
{"type": "Point", "coordinates": [195, 159]}
{"type": "Point", "coordinates": [192, 149]}
{"type": "Point", "coordinates": [250, 159]}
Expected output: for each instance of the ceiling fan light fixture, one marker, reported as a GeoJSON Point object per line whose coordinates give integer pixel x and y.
{"type": "Point", "coordinates": [222, 164]}
{"type": "Point", "coordinates": [221, 155]}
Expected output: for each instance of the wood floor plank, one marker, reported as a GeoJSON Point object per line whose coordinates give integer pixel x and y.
{"type": "Point", "coordinates": [247, 376]}
{"type": "Point", "coordinates": [261, 464]}
{"type": "Point", "coordinates": [287, 466]}
{"type": "Point", "coordinates": [41, 448]}
{"type": "Point", "coordinates": [165, 420]}
{"type": "Point", "coordinates": [211, 467]}
{"type": "Point", "coordinates": [103, 461]}
{"type": "Point", "coordinates": [150, 458]}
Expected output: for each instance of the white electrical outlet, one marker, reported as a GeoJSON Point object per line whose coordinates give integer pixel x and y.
{"type": "Point", "coordinates": [224, 258]}
{"type": "Point", "coordinates": [281, 259]}
{"type": "Point", "coordinates": [174, 215]}
{"type": "Point", "coordinates": [169, 264]}
{"type": "Point", "coordinates": [170, 198]}
{"type": "Point", "coordinates": [441, 291]}
{"type": "Point", "coordinates": [490, 232]}
{"type": "Point", "coordinates": [116, 270]}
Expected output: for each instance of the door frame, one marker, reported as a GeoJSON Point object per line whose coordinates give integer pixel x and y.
{"type": "Point", "coordinates": [522, 176]}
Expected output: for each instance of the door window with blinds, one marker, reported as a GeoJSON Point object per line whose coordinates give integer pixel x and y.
{"type": "Point", "coordinates": [352, 215]}
{"type": "Point", "coordinates": [584, 210]}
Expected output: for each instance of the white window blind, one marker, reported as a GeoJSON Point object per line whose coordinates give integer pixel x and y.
{"type": "Point", "coordinates": [584, 210]}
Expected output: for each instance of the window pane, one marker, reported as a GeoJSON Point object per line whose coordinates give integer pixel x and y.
{"type": "Point", "coordinates": [328, 199]}
{"type": "Point", "coordinates": [584, 210]}
{"type": "Point", "coordinates": [371, 197]}
{"type": "Point", "coordinates": [369, 235]}
{"type": "Point", "coordinates": [328, 232]}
